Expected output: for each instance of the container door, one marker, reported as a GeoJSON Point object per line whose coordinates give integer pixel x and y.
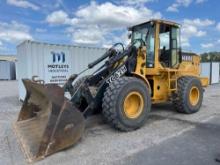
{"type": "Point", "coordinates": [205, 70]}
{"type": "Point", "coordinates": [215, 73]}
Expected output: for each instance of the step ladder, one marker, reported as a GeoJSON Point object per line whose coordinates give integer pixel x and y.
{"type": "Point", "coordinates": [172, 80]}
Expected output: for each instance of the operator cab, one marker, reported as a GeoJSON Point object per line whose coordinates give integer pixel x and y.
{"type": "Point", "coordinates": [168, 46]}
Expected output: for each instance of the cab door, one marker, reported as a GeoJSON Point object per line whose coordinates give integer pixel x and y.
{"type": "Point", "coordinates": [169, 46]}
{"type": "Point", "coordinates": [175, 47]}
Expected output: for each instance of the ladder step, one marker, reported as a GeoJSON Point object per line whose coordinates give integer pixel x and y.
{"type": "Point", "coordinates": [172, 75]}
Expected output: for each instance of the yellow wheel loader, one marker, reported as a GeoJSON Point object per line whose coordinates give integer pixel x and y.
{"type": "Point", "coordinates": [151, 69]}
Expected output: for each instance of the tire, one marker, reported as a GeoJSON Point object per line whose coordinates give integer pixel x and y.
{"type": "Point", "coordinates": [77, 84]}
{"type": "Point", "coordinates": [182, 101]}
{"type": "Point", "coordinates": [113, 104]}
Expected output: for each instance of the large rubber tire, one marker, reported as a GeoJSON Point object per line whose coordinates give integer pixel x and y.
{"type": "Point", "coordinates": [113, 103]}
{"type": "Point", "coordinates": [181, 100]}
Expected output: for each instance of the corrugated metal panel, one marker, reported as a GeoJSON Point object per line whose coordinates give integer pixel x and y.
{"type": "Point", "coordinates": [4, 70]}
{"type": "Point", "coordinates": [7, 70]}
{"type": "Point", "coordinates": [13, 71]}
{"type": "Point", "coordinates": [215, 73]}
{"type": "Point", "coordinates": [205, 69]}
{"type": "Point", "coordinates": [211, 70]}
{"type": "Point", "coordinates": [35, 58]}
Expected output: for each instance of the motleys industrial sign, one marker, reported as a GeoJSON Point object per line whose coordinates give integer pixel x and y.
{"type": "Point", "coordinates": [57, 67]}
{"type": "Point", "coordinates": [58, 63]}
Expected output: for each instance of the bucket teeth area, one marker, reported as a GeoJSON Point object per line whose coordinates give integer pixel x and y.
{"type": "Point", "coordinates": [47, 122]}
{"type": "Point", "coordinates": [29, 133]}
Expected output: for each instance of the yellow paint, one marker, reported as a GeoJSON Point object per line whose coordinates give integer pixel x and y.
{"type": "Point", "coordinates": [163, 81]}
{"type": "Point", "coordinates": [194, 96]}
{"type": "Point", "coordinates": [133, 105]}
{"type": "Point", "coordinates": [140, 71]}
{"type": "Point", "coordinates": [204, 81]}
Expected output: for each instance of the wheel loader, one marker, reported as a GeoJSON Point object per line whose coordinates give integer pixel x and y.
{"type": "Point", "coordinates": [152, 69]}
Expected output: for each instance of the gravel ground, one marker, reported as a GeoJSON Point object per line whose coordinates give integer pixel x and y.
{"type": "Point", "coordinates": [198, 146]}
{"type": "Point", "coordinates": [100, 143]}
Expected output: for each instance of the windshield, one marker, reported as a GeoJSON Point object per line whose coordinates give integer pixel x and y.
{"type": "Point", "coordinates": [146, 32]}
{"type": "Point", "coordinates": [140, 32]}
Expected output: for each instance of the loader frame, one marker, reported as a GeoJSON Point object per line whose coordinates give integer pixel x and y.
{"type": "Point", "coordinates": [123, 88]}
{"type": "Point", "coordinates": [160, 80]}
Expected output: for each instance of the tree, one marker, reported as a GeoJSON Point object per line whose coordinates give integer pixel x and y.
{"type": "Point", "coordinates": [210, 56]}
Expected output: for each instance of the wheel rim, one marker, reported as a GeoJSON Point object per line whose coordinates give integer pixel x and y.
{"type": "Point", "coordinates": [133, 105]}
{"type": "Point", "coordinates": [194, 96]}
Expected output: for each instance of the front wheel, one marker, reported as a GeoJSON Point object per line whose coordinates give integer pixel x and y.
{"type": "Point", "coordinates": [126, 103]}
{"type": "Point", "coordinates": [189, 95]}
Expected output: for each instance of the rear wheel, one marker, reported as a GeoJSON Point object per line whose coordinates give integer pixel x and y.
{"type": "Point", "coordinates": [189, 95]}
{"type": "Point", "coordinates": [126, 103]}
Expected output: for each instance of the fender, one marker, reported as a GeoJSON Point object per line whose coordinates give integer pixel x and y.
{"type": "Point", "coordinates": [142, 78]}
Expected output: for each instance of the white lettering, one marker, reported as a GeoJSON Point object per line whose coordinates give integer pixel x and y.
{"type": "Point", "coordinates": [121, 71]}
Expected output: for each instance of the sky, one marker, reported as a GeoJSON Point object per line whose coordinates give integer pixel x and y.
{"type": "Point", "coordinates": [100, 23]}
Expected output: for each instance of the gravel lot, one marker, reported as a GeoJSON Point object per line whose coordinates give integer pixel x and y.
{"type": "Point", "coordinates": [100, 143]}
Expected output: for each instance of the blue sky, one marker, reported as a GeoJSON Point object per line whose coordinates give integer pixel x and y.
{"type": "Point", "coordinates": [101, 23]}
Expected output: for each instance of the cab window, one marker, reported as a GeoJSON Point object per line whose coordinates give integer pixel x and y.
{"type": "Point", "coordinates": [169, 51]}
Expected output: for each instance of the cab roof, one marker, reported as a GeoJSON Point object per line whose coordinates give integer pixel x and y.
{"type": "Point", "coordinates": [158, 21]}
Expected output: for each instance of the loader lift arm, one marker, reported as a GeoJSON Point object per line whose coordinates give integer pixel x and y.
{"type": "Point", "coordinates": [125, 60]}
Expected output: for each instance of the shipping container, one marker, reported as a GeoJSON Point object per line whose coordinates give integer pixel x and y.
{"type": "Point", "coordinates": [53, 63]}
{"type": "Point", "coordinates": [211, 70]}
{"type": "Point", "coordinates": [214, 72]}
{"type": "Point", "coordinates": [205, 69]}
{"type": "Point", "coordinates": [7, 70]}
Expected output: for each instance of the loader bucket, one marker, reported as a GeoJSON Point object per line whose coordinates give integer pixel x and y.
{"type": "Point", "coordinates": [47, 122]}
